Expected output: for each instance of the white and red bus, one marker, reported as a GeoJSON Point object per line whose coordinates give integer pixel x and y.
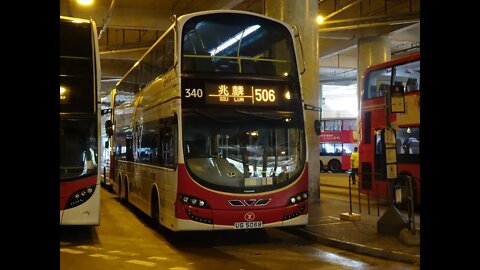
{"type": "Point", "coordinates": [209, 126]}
{"type": "Point", "coordinates": [338, 137]}
{"type": "Point", "coordinates": [79, 122]}
{"type": "Point", "coordinates": [404, 73]}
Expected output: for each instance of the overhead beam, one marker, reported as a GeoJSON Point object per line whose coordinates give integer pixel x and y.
{"type": "Point", "coordinates": [145, 19]}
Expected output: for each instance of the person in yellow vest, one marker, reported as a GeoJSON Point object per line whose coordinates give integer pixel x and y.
{"type": "Point", "coordinates": [354, 163]}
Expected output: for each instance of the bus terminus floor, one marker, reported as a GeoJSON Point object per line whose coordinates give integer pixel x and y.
{"type": "Point", "coordinates": [209, 126]}
{"type": "Point", "coordinates": [79, 122]}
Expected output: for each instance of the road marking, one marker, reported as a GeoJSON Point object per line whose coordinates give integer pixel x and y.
{"type": "Point", "coordinates": [332, 223]}
{"type": "Point", "coordinates": [90, 247]}
{"type": "Point", "coordinates": [123, 253]}
{"type": "Point", "coordinates": [103, 256]}
{"type": "Point", "coordinates": [178, 268]}
{"type": "Point", "coordinates": [145, 263]}
{"type": "Point", "coordinates": [157, 258]}
{"type": "Point", "coordinates": [62, 243]}
{"type": "Point", "coordinates": [71, 251]}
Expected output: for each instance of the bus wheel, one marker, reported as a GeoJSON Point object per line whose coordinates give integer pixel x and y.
{"type": "Point", "coordinates": [119, 187]}
{"type": "Point", "coordinates": [321, 166]}
{"type": "Point", "coordinates": [335, 165]}
{"type": "Point", "coordinates": [125, 190]}
{"type": "Point", "coordinates": [154, 207]}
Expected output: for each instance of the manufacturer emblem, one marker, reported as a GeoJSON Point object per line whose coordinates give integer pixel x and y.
{"type": "Point", "coordinates": [249, 216]}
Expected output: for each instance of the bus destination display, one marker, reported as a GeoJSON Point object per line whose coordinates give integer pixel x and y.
{"type": "Point", "coordinates": [236, 94]}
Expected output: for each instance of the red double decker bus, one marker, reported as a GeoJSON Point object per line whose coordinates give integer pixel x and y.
{"type": "Point", "coordinates": [338, 137]}
{"type": "Point", "coordinates": [209, 126]}
{"type": "Point", "coordinates": [79, 122]}
{"type": "Point", "coordinates": [403, 73]}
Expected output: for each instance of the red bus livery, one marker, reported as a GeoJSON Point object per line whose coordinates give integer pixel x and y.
{"type": "Point", "coordinates": [337, 140]}
{"type": "Point", "coordinates": [209, 126]}
{"type": "Point", "coordinates": [404, 73]}
{"type": "Point", "coordinates": [79, 122]}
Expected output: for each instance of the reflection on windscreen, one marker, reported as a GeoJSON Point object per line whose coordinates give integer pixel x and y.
{"type": "Point", "coordinates": [237, 43]}
{"type": "Point", "coordinates": [240, 150]}
{"type": "Point", "coordinates": [78, 148]}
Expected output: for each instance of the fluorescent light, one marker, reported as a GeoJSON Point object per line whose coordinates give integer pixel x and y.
{"type": "Point", "coordinates": [234, 39]}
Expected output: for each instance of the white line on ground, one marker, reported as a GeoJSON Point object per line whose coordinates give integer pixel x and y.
{"type": "Point", "coordinates": [71, 251]}
{"type": "Point", "coordinates": [145, 263]}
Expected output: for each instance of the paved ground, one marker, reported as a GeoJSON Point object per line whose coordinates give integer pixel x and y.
{"type": "Point", "coordinates": [361, 235]}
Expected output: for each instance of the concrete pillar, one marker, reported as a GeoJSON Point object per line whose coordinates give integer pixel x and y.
{"type": "Point", "coordinates": [371, 50]}
{"type": "Point", "coordinates": [302, 14]}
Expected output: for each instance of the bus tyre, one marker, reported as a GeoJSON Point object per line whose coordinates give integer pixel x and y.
{"type": "Point", "coordinates": [321, 166]}
{"type": "Point", "coordinates": [119, 187]}
{"type": "Point", "coordinates": [125, 190]}
{"type": "Point", "coordinates": [335, 165]}
{"type": "Point", "coordinates": [154, 207]}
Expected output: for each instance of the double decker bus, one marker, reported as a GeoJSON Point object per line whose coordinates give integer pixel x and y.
{"type": "Point", "coordinates": [403, 73]}
{"type": "Point", "coordinates": [79, 122]}
{"type": "Point", "coordinates": [209, 126]}
{"type": "Point", "coordinates": [338, 137]}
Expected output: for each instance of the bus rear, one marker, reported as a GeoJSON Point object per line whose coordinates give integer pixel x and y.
{"type": "Point", "coordinates": [79, 125]}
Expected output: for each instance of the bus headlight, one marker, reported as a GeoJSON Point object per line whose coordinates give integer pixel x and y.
{"type": "Point", "coordinates": [193, 201]}
{"type": "Point", "coordinates": [298, 198]}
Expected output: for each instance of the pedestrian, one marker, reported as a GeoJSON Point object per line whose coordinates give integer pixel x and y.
{"type": "Point", "coordinates": [354, 163]}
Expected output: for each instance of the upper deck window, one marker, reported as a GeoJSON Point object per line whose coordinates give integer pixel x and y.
{"type": "Point", "coordinates": [237, 43]}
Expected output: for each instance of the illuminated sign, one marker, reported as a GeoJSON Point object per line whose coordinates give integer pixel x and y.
{"type": "Point", "coordinates": [239, 94]}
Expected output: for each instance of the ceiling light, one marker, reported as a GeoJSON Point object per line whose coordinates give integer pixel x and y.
{"type": "Point", "coordinates": [320, 19]}
{"type": "Point", "coordinates": [85, 2]}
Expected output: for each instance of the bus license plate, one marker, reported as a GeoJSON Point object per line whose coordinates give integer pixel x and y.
{"type": "Point", "coordinates": [248, 225]}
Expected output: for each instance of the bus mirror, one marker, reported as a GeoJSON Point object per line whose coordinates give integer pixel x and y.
{"type": "Point", "coordinates": [109, 128]}
{"type": "Point", "coordinates": [317, 127]}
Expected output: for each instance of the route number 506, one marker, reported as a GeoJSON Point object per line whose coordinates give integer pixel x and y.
{"type": "Point", "coordinates": [264, 95]}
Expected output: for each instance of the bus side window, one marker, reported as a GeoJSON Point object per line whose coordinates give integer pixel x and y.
{"type": "Point", "coordinates": [372, 91]}
{"type": "Point", "coordinates": [400, 147]}
{"type": "Point", "coordinates": [412, 146]}
{"type": "Point", "coordinates": [382, 89]}
{"type": "Point", "coordinates": [412, 84]}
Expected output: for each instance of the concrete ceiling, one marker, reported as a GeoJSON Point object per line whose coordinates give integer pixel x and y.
{"type": "Point", "coordinates": [128, 27]}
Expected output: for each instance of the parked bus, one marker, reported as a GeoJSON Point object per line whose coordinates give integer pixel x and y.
{"type": "Point", "coordinates": [338, 137]}
{"type": "Point", "coordinates": [403, 73]}
{"type": "Point", "coordinates": [79, 122]}
{"type": "Point", "coordinates": [209, 126]}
